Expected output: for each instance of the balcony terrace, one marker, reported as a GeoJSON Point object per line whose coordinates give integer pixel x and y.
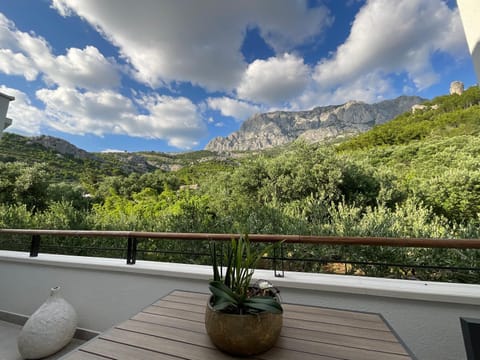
{"type": "Point", "coordinates": [108, 291]}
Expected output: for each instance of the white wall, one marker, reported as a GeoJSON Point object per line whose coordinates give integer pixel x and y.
{"type": "Point", "coordinates": [107, 291]}
{"type": "Point", "coordinates": [470, 14]}
{"type": "Point", "coordinates": [4, 102]}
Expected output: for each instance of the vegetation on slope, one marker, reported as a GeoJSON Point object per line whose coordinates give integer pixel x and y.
{"type": "Point", "coordinates": [456, 115]}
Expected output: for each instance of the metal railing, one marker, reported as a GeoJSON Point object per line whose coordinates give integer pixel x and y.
{"type": "Point", "coordinates": [131, 248]}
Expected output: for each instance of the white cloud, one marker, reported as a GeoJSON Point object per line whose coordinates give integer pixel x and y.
{"type": "Point", "coordinates": [106, 112]}
{"type": "Point", "coordinates": [369, 88]}
{"type": "Point", "coordinates": [83, 68]}
{"type": "Point", "coordinates": [112, 151]}
{"type": "Point", "coordinates": [237, 109]}
{"type": "Point", "coordinates": [196, 41]}
{"type": "Point", "coordinates": [29, 55]}
{"type": "Point", "coordinates": [12, 61]}
{"type": "Point", "coordinates": [175, 119]}
{"type": "Point", "coordinates": [285, 24]}
{"type": "Point", "coordinates": [17, 64]}
{"type": "Point", "coordinates": [394, 36]}
{"type": "Point", "coordinates": [26, 118]}
{"type": "Point", "coordinates": [79, 113]}
{"type": "Point", "coordinates": [274, 81]}
{"type": "Point", "coordinates": [7, 33]}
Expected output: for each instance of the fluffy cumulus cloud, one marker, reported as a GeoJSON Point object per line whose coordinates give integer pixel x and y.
{"type": "Point", "coordinates": [17, 64]}
{"type": "Point", "coordinates": [394, 37]}
{"type": "Point", "coordinates": [275, 80]}
{"type": "Point", "coordinates": [26, 118]}
{"type": "Point", "coordinates": [370, 88]}
{"type": "Point", "coordinates": [28, 55]}
{"type": "Point", "coordinates": [196, 41]}
{"type": "Point", "coordinates": [285, 24]}
{"type": "Point", "coordinates": [12, 61]}
{"type": "Point", "coordinates": [76, 112]}
{"type": "Point", "coordinates": [237, 109]}
{"type": "Point", "coordinates": [84, 68]}
{"type": "Point", "coordinates": [176, 119]}
{"type": "Point", "coordinates": [106, 112]}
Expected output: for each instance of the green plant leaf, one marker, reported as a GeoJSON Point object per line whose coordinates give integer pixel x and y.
{"type": "Point", "coordinates": [222, 306]}
{"type": "Point", "coordinates": [228, 273]}
{"type": "Point", "coordinates": [264, 303]}
{"type": "Point", "coordinates": [222, 293]}
{"type": "Point", "coordinates": [216, 272]}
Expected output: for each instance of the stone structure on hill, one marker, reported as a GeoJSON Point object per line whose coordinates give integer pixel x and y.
{"type": "Point", "coordinates": [456, 87]}
{"type": "Point", "coordinates": [332, 122]}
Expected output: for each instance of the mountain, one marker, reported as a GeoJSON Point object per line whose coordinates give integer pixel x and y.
{"type": "Point", "coordinates": [67, 162]}
{"type": "Point", "coordinates": [61, 147]}
{"type": "Point", "coordinates": [64, 160]}
{"type": "Point", "coordinates": [332, 122]}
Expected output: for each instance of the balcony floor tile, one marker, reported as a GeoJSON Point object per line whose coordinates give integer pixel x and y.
{"type": "Point", "coordinates": [8, 343]}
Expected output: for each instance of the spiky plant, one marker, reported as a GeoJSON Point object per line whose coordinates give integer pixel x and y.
{"type": "Point", "coordinates": [234, 292]}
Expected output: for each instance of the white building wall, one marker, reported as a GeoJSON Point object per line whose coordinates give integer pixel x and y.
{"type": "Point", "coordinates": [4, 102]}
{"type": "Point", "coordinates": [107, 291]}
{"type": "Point", "coordinates": [470, 14]}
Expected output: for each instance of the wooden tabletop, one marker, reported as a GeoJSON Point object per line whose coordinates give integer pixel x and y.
{"type": "Point", "coordinates": [173, 328]}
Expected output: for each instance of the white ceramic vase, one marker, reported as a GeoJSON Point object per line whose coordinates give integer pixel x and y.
{"type": "Point", "coordinates": [49, 329]}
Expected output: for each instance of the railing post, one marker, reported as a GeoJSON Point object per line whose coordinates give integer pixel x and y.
{"type": "Point", "coordinates": [280, 273]}
{"type": "Point", "coordinates": [131, 250]}
{"type": "Point", "coordinates": [35, 245]}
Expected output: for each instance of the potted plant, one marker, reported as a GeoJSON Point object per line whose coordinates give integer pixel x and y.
{"type": "Point", "coordinates": [242, 318]}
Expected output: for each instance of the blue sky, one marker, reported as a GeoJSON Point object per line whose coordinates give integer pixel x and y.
{"type": "Point", "coordinates": [172, 75]}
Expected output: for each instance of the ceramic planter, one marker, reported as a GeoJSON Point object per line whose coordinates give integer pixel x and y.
{"type": "Point", "coordinates": [243, 335]}
{"type": "Point", "coordinates": [49, 329]}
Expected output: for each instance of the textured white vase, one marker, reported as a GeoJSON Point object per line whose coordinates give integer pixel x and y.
{"type": "Point", "coordinates": [49, 329]}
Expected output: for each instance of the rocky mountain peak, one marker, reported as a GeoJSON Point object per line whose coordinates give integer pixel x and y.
{"type": "Point", "coordinates": [319, 124]}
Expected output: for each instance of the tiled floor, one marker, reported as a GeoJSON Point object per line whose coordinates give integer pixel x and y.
{"type": "Point", "coordinates": [8, 343]}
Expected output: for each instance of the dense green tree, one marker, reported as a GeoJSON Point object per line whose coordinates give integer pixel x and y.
{"type": "Point", "coordinates": [24, 184]}
{"type": "Point", "coordinates": [303, 171]}
{"type": "Point", "coordinates": [72, 193]}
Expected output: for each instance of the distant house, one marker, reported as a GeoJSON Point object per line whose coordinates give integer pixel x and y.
{"type": "Point", "coordinates": [420, 107]}
{"type": "Point", "coordinates": [189, 187]}
{"type": "Point", "coordinates": [4, 121]}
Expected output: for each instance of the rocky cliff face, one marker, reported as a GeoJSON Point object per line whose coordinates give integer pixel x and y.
{"type": "Point", "coordinates": [62, 147]}
{"type": "Point", "coordinates": [322, 123]}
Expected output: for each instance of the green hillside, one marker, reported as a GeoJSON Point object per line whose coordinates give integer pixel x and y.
{"type": "Point", "coordinates": [16, 148]}
{"type": "Point", "coordinates": [71, 168]}
{"type": "Point", "coordinates": [432, 155]}
{"type": "Point", "coordinates": [454, 116]}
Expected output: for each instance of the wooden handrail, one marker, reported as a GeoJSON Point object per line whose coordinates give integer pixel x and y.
{"type": "Point", "coordinates": [302, 239]}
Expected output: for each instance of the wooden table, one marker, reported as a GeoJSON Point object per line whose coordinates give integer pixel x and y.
{"type": "Point", "coordinates": [173, 328]}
